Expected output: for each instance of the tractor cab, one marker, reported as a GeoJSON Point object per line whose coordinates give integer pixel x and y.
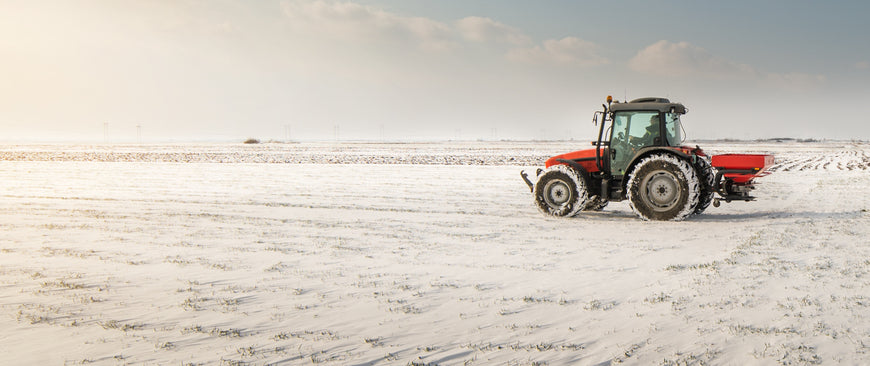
{"type": "Point", "coordinates": [641, 124]}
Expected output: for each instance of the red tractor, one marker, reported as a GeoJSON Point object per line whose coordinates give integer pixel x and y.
{"type": "Point", "coordinates": [639, 157]}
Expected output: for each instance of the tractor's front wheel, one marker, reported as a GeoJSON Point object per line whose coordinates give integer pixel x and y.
{"type": "Point", "coordinates": [663, 187]}
{"type": "Point", "coordinates": [560, 191]}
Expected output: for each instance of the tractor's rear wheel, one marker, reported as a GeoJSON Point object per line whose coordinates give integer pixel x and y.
{"type": "Point", "coordinates": [663, 187]}
{"type": "Point", "coordinates": [560, 191]}
{"type": "Point", "coordinates": [705, 177]}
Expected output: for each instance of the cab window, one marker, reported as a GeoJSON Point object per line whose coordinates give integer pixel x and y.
{"type": "Point", "coordinates": [673, 129]}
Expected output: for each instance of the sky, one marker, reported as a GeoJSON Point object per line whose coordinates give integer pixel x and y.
{"type": "Point", "coordinates": [227, 70]}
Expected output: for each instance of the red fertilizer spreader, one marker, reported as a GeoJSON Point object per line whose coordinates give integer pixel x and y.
{"type": "Point", "coordinates": [735, 174]}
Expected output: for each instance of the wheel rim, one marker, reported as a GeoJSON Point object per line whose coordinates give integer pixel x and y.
{"type": "Point", "coordinates": [557, 192]}
{"type": "Point", "coordinates": [661, 190]}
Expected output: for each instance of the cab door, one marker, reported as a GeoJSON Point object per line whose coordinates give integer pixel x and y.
{"type": "Point", "coordinates": [632, 131]}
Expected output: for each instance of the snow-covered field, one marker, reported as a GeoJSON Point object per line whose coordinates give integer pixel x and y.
{"type": "Point", "coordinates": [417, 254]}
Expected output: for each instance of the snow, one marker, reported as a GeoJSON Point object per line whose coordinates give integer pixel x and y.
{"type": "Point", "coordinates": [430, 253]}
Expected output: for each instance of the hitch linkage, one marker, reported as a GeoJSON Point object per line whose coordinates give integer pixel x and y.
{"type": "Point", "coordinates": [529, 182]}
{"type": "Point", "coordinates": [728, 191]}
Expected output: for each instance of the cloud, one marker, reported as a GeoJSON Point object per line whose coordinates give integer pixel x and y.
{"type": "Point", "coordinates": [354, 21]}
{"type": "Point", "coordinates": [362, 23]}
{"type": "Point", "coordinates": [565, 51]}
{"type": "Point", "coordinates": [863, 65]}
{"type": "Point", "coordinates": [683, 59]}
{"type": "Point", "coordinates": [485, 30]}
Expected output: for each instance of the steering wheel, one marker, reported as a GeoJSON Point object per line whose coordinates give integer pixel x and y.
{"type": "Point", "coordinates": [636, 142]}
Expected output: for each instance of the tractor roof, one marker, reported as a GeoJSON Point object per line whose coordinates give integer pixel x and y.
{"type": "Point", "coordinates": [649, 104]}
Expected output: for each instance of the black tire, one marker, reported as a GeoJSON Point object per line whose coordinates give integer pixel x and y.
{"type": "Point", "coordinates": [663, 187]}
{"type": "Point", "coordinates": [705, 174]}
{"type": "Point", "coordinates": [560, 191]}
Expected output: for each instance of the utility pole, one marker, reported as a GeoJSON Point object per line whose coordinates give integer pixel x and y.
{"type": "Point", "coordinates": [286, 132]}
{"type": "Point", "coordinates": [139, 134]}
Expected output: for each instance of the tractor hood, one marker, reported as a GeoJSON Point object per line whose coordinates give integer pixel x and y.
{"type": "Point", "coordinates": [585, 158]}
